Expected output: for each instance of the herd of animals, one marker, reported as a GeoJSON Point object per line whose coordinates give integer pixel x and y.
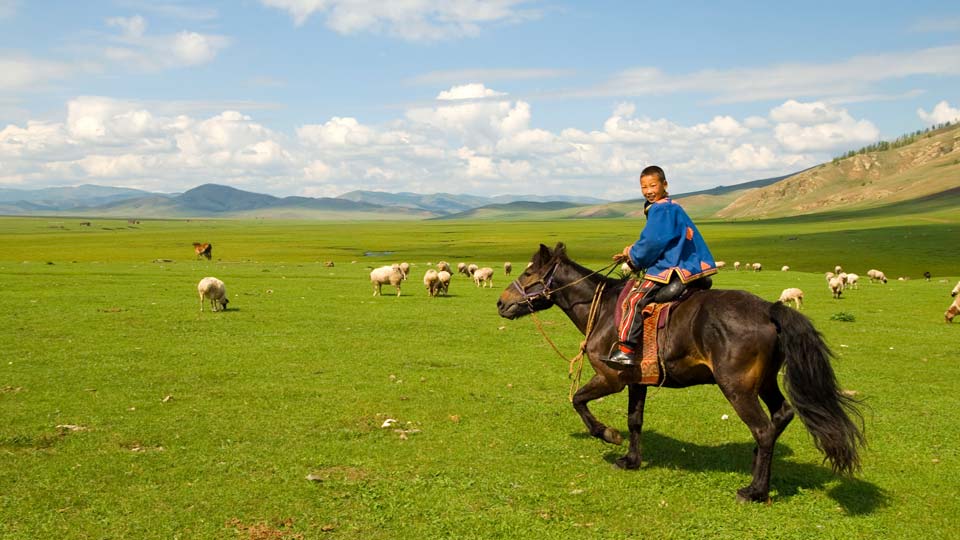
{"type": "Point", "coordinates": [437, 281]}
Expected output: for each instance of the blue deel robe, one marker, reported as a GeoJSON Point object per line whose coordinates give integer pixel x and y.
{"type": "Point", "coordinates": [670, 243]}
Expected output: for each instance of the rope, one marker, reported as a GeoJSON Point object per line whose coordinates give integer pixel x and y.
{"type": "Point", "coordinates": [578, 359]}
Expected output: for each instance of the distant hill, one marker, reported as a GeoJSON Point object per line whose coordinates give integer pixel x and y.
{"type": "Point", "coordinates": [514, 210]}
{"type": "Point", "coordinates": [62, 198]}
{"type": "Point", "coordinates": [448, 203]}
{"type": "Point", "coordinates": [925, 168]}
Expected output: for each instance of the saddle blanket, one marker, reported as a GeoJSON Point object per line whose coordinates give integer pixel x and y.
{"type": "Point", "coordinates": [654, 319]}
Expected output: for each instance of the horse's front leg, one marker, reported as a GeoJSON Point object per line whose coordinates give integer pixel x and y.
{"type": "Point", "coordinates": [596, 388]}
{"type": "Point", "coordinates": [637, 400]}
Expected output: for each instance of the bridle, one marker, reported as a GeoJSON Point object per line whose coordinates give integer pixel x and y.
{"type": "Point", "coordinates": [547, 280]}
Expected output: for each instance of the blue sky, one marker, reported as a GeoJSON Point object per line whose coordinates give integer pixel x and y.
{"type": "Point", "coordinates": [321, 97]}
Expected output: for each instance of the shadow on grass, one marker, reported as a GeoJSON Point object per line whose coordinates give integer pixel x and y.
{"type": "Point", "coordinates": [788, 478]}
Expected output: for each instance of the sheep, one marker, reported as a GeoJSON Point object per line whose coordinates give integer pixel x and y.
{"type": "Point", "coordinates": [792, 293]}
{"type": "Point", "coordinates": [507, 268]}
{"type": "Point", "coordinates": [736, 265]}
{"type": "Point", "coordinates": [721, 264]}
{"type": "Point", "coordinates": [483, 276]}
{"type": "Point", "coordinates": [843, 279]}
{"type": "Point", "coordinates": [836, 285]}
{"type": "Point", "coordinates": [952, 311]}
{"type": "Point", "coordinates": [956, 290]}
{"type": "Point", "coordinates": [444, 278]}
{"type": "Point", "coordinates": [876, 275]}
{"type": "Point", "coordinates": [829, 275]}
{"type": "Point", "coordinates": [405, 268]}
{"type": "Point", "coordinates": [384, 275]}
{"type": "Point", "coordinates": [837, 269]}
{"type": "Point", "coordinates": [471, 268]}
{"type": "Point", "coordinates": [851, 280]}
{"type": "Point", "coordinates": [784, 268]}
{"type": "Point", "coordinates": [443, 265]}
{"type": "Point", "coordinates": [213, 289]}
{"type": "Point", "coordinates": [756, 267]}
{"type": "Point", "coordinates": [432, 280]}
{"type": "Point", "coordinates": [462, 268]}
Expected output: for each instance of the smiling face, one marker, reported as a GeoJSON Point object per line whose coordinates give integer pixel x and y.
{"type": "Point", "coordinates": [652, 188]}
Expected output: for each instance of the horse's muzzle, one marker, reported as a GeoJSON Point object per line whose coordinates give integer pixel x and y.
{"type": "Point", "coordinates": [507, 311]}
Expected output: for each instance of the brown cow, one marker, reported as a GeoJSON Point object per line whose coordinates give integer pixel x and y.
{"type": "Point", "coordinates": [205, 250]}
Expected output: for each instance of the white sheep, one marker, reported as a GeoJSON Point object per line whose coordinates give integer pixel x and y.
{"type": "Point", "coordinates": [213, 289]}
{"type": "Point", "coordinates": [954, 308]}
{"type": "Point", "coordinates": [432, 280]}
{"type": "Point", "coordinates": [444, 278]}
{"type": "Point", "coordinates": [956, 290]}
{"type": "Point", "coordinates": [829, 275]}
{"type": "Point", "coordinates": [756, 267]}
{"type": "Point", "coordinates": [736, 265]}
{"type": "Point", "coordinates": [507, 268]}
{"type": "Point", "coordinates": [876, 275]}
{"type": "Point", "coordinates": [721, 264]}
{"type": "Point", "coordinates": [483, 276]}
{"type": "Point", "coordinates": [405, 268]}
{"type": "Point", "coordinates": [462, 268]}
{"type": "Point", "coordinates": [836, 285]}
{"type": "Point", "coordinates": [792, 293]}
{"type": "Point", "coordinates": [837, 269]}
{"type": "Point", "coordinates": [443, 265]}
{"type": "Point", "coordinates": [852, 281]}
{"type": "Point", "coordinates": [471, 268]}
{"type": "Point", "coordinates": [784, 268]}
{"type": "Point", "coordinates": [384, 275]}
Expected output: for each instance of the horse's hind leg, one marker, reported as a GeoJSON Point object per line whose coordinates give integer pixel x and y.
{"type": "Point", "coordinates": [781, 413]}
{"type": "Point", "coordinates": [765, 434]}
{"type": "Point", "coordinates": [637, 400]}
{"type": "Point", "coordinates": [596, 388]}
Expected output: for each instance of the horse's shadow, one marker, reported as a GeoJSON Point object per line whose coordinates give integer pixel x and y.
{"type": "Point", "coordinates": [856, 496]}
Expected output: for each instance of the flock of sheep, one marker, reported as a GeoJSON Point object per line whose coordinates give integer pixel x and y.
{"type": "Point", "coordinates": [437, 281]}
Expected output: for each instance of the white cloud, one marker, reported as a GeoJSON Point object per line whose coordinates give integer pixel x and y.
{"type": "Point", "coordinates": [139, 50]}
{"type": "Point", "coordinates": [413, 20]}
{"type": "Point", "coordinates": [132, 27]}
{"type": "Point", "coordinates": [806, 114]}
{"type": "Point", "coordinates": [19, 71]}
{"type": "Point", "coordinates": [841, 135]}
{"type": "Point", "coordinates": [941, 113]}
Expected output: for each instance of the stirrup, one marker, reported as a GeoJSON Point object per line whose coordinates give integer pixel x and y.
{"type": "Point", "coordinates": [621, 360]}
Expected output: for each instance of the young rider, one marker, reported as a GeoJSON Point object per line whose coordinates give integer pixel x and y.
{"type": "Point", "coordinates": [672, 252]}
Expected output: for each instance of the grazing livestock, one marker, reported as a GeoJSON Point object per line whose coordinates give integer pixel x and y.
{"type": "Point", "coordinates": [736, 265]}
{"type": "Point", "coordinates": [462, 268]}
{"type": "Point", "coordinates": [926, 276]}
{"type": "Point", "coordinates": [757, 267]}
{"type": "Point", "coordinates": [386, 275]}
{"type": "Point", "coordinates": [432, 281]}
{"type": "Point", "coordinates": [471, 268]}
{"type": "Point", "coordinates": [211, 288]}
{"type": "Point", "coordinates": [444, 265]}
{"type": "Point", "coordinates": [836, 285]}
{"type": "Point", "coordinates": [837, 269]}
{"type": "Point", "coordinates": [721, 264]}
{"type": "Point", "coordinates": [956, 290]}
{"type": "Point", "coordinates": [829, 275]}
{"type": "Point", "coordinates": [444, 278]}
{"type": "Point", "coordinates": [405, 268]}
{"type": "Point", "coordinates": [792, 293]}
{"type": "Point", "coordinates": [507, 268]}
{"type": "Point", "coordinates": [784, 268]}
{"type": "Point", "coordinates": [876, 275]}
{"type": "Point", "coordinates": [851, 281]}
{"type": "Point", "coordinates": [483, 277]}
{"type": "Point", "coordinates": [328, 264]}
{"type": "Point", "coordinates": [203, 250]}
{"type": "Point", "coordinates": [952, 311]}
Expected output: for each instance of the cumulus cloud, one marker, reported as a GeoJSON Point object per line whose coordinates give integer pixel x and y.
{"type": "Point", "coordinates": [410, 20]}
{"type": "Point", "coordinates": [942, 112]}
{"type": "Point", "coordinates": [134, 47]}
{"type": "Point", "coordinates": [816, 126]}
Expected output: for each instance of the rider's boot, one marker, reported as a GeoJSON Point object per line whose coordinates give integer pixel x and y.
{"type": "Point", "coordinates": [625, 355]}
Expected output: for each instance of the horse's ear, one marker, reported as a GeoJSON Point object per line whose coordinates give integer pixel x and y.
{"type": "Point", "coordinates": [560, 250]}
{"type": "Point", "coordinates": [542, 255]}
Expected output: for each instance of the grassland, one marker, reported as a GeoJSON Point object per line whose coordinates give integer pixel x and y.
{"type": "Point", "coordinates": [206, 425]}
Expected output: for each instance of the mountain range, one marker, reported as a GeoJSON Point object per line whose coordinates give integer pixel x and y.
{"type": "Point", "coordinates": [923, 169]}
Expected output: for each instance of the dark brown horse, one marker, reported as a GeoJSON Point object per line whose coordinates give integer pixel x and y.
{"type": "Point", "coordinates": [725, 337]}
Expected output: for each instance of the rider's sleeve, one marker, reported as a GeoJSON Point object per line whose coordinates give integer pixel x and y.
{"type": "Point", "coordinates": [661, 228]}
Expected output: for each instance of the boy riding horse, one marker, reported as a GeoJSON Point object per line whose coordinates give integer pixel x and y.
{"type": "Point", "coordinates": [672, 252]}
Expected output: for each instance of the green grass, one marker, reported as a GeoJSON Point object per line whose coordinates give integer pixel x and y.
{"type": "Point", "coordinates": [299, 375]}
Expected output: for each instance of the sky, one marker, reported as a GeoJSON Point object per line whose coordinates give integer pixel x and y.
{"type": "Point", "coordinates": [486, 97]}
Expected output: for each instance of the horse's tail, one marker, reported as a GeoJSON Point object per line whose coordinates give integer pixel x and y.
{"type": "Point", "coordinates": [813, 391]}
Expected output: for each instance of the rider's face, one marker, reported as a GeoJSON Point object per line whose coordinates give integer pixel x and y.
{"type": "Point", "coordinates": [653, 189]}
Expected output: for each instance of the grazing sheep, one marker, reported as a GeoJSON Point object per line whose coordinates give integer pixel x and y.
{"type": "Point", "coordinates": [876, 275]}
{"type": "Point", "coordinates": [444, 265]}
{"type": "Point", "coordinates": [405, 268]}
{"type": "Point", "coordinates": [837, 269]}
{"type": "Point", "coordinates": [444, 278]}
{"type": "Point", "coordinates": [851, 281]}
{"type": "Point", "coordinates": [756, 267]}
{"type": "Point", "coordinates": [836, 285]}
{"type": "Point", "coordinates": [829, 275]}
{"type": "Point", "coordinates": [507, 268]}
{"type": "Point", "coordinates": [432, 280]}
{"type": "Point", "coordinates": [956, 290]}
{"type": "Point", "coordinates": [792, 293]}
{"type": "Point", "coordinates": [214, 290]}
{"type": "Point", "coordinates": [721, 264]}
{"type": "Point", "coordinates": [927, 276]}
{"type": "Point", "coordinates": [843, 279]}
{"type": "Point", "coordinates": [471, 268]}
{"type": "Point", "coordinates": [328, 264]}
{"type": "Point", "coordinates": [483, 276]}
{"type": "Point", "coordinates": [784, 268]}
{"type": "Point", "coordinates": [462, 268]}
{"type": "Point", "coordinates": [736, 265]}
{"type": "Point", "coordinates": [952, 311]}
{"type": "Point", "coordinates": [384, 275]}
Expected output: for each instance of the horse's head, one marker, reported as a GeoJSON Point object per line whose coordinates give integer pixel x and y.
{"type": "Point", "coordinates": [530, 292]}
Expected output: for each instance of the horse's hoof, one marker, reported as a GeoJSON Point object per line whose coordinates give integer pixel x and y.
{"type": "Point", "coordinates": [612, 436]}
{"type": "Point", "coordinates": [745, 495]}
{"type": "Point", "coordinates": [626, 464]}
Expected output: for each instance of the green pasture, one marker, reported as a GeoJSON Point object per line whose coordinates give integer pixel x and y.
{"type": "Point", "coordinates": [127, 413]}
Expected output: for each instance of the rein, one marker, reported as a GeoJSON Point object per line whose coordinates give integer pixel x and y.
{"type": "Point", "coordinates": [577, 361]}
